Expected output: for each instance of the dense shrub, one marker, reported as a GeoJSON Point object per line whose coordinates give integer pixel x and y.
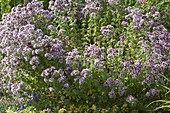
{"type": "Point", "coordinates": [74, 53]}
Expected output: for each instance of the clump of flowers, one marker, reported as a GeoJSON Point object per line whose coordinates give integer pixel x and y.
{"type": "Point", "coordinates": [92, 7]}
{"type": "Point", "coordinates": [24, 44]}
{"type": "Point", "coordinates": [42, 57]}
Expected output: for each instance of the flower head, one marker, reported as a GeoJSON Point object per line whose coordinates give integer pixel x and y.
{"type": "Point", "coordinates": [130, 99]}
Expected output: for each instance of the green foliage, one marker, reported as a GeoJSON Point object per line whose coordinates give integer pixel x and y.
{"type": "Point", "coordinates": [5, 6]}
{"type": "Point", "coordinates": [5, 103]}
{"type": "Point", "coordinates": [165, 104]}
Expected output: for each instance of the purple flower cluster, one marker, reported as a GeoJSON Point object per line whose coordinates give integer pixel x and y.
{"type": "Point", "coordinates": [94, 55]}
{"type": "Point", "coordinates": [117, 84]}
{"type": "Point", "coordinates": [52, 75]}
{"type": "Point", "coordinates": [75, 72]}
{"type": "Point", "coordinates": [136, 15]}
{"type": "Point", "coordinates": [136, 69]}
{"type": "Point", "coordinates": [113, 2]}
{"type": "Point", "coordinates": [59, 5]}
{"type": "Point", "coordinates": [106, 30]}
{"type": "Point", "coordinates": [111, 82]}
{"type": "Point", "coordinates": [156, 46]}
{"type": "Point", "coordinates": [127, 67]}
{"type": "Point", "coordinates": [93, 51]}
{"type": "Point", "coordinates": [121, 40]}
{"type": "Point", "coordinates": [16, 87]}
{"type": "Point", "coordinates": [49, 71]}
{"type": "Point", "coordinates": [92, 7]}
{"type": "Point", "coordinates": [111, 52]}
{"type": "Point", "coordinates": [124, 23]}
{"type": "Point", "coordinates": [66, 9]}
{"type": "Point", "coordinates": [122, 91]}
{"type": "Point", "coordinates": [149, 79]}
{"type": "Point", "coordinates": [20, 37]}
{"type": "Point", "coordinates": [112, 93]}
{"type": "Point", "coordinates": [152, 92]}
{"type": "Point", "coordinates": [81, 76]}
{"type": "Point", "coordinates": [158, 52]}
{"type": "Point", "coordinates": [130, 99]}
{"type": "Point", "coordinates": [73, 58]}
{"type": "Point", "coordinates": [140, 20]}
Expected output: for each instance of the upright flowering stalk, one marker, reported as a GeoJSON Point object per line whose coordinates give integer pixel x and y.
{"type": "Point", "coordinates": [151, 41]}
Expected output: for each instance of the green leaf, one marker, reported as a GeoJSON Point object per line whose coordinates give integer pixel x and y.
{"type": "Point", "coordinates": [164, 101]}
{"type": "Point", "coordinates": [166, 78]}
{"type": "Point", "coordinates": [162, 107]}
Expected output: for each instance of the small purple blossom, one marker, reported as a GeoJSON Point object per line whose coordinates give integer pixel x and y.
{"type": "Point", "coordinates": [109, 81]}
{"type": "Point", "coordinates": [66, 85]}
{"type": "Point", "coordinates": [112, 52]}
{"type": "Point", "coordinates": [116, 82]}
{"type": "Point", "coordinates": [122, 91]}
{"type": "Point", "coordinates": [106, 30]}
{"type": "Point", "coordinates": [124, 23]}
{"type": "Point", "coordinates": [130, 99]}
{"type": "Point", "coordinates": [75, 72]}
{"type": "Point", "coordinates": [154, 92]}
{"type": "Point", "coordinates": [85, 72]}
{"type": "Point", "coordinates": [153, 9]}
{"type": "Point", "coordinates": [112, 93]}
{"type": "Point", "coordinates": [81, 80]}
{"type": "Point", "coordinates": [61, 79]}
